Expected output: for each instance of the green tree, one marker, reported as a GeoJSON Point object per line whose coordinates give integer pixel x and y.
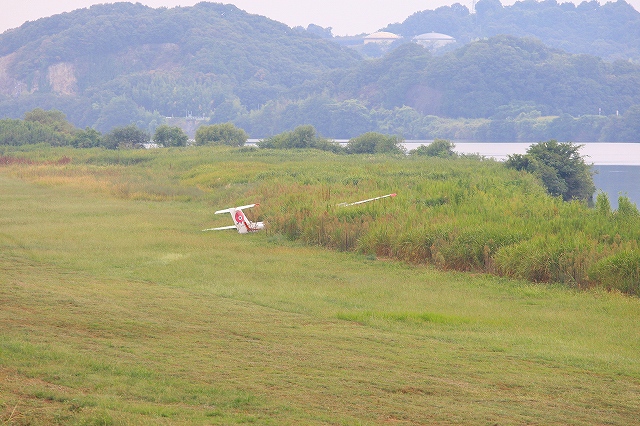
{"type": "Point", "coordinates": [52, 119]}
{"type": "Point", "coordinates": [126, 137]}
{"type": "Point", "coordinates": [20, 132]}
{"type": "Point", "coordinates": [88, 138]}
{"type": "Point", "coordinates": [170, 136]}
{"type": "Point", "coordinates": [221, 134]}
{"type": "Point", "coordinates": [560, 167]}
{"type": "Point", "coordinates": [375, 143]}
{"type": "Point", "coordinates": [438, 148]}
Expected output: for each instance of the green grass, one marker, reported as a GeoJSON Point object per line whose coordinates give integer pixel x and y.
{"type": "Point", "coordinates": [116, 309]}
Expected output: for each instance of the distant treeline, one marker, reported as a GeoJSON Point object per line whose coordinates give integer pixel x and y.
{"type": "Point", "coordinates": [351, 118]}
{"type": "Point", "coordinates": [52, 128]}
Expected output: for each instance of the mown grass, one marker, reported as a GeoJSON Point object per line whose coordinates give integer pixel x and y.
{"type": "Point", "coordinates": [116, 309]}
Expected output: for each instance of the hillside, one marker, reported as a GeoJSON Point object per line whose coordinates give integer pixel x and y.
{"type": "Point", "coordinates": [124, 57]}
{"type": "Point", "coordinates": [609, 31]}
{"type": "Point", "coordinates": [514, 89]}
{"type": "Point", "coordinates": [493, 76]}
{"type": "Point", "coordinates": [112, 65]}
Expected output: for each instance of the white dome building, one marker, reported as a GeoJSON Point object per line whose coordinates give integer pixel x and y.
{"type": "Point", "coordinates": [381, 37]}
{"type": "Point", "coordinates": [433, 40]}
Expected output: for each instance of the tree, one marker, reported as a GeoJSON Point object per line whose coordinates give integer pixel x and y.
{"type": "Point", "coordinates": [221, 134]}
{"type": "Point", "coordinates": [88, 138]}
{"type": "Point", "coordinates": [438, 148]}
{"type": "Point", "coordinates": [170, 136]}
{"type": "Point", "coordinates": [320, 31]}
{"type": "Point", "coordinates": [126, 137]}
{"type": "Point", "coordinates": [484, 7]}
{"type": "Point", "coordinates": [21, 132]}
{"type": "Point", "coordinates": [560, 167]}
{"type": "Point", "coordinates": [119, 111]}
{"type": "Point", "coordinates": [374, 143]}
{"type": "Point", "coordinates": [630, 125]}
{"type": "Point", "coordinates": [52, 119]}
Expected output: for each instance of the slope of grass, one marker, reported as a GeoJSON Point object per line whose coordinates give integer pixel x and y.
{"type": "Point", "coordinates": [116, 309]}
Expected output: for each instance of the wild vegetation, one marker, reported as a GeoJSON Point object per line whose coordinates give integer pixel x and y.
{"type": "Point", "coordinates": [464, 214]}
{"type": "Point", "coordinates": [118, 310]}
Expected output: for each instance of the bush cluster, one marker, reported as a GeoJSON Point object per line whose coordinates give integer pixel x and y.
{"type": "Point", "coordinates": [52, 128]}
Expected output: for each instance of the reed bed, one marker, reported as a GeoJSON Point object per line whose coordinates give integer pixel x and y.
{"type": "Point", "coordinates": [458, 215]}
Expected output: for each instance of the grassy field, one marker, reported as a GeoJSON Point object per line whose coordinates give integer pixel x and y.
{"type": "Point", "coordinates": [116, 309]}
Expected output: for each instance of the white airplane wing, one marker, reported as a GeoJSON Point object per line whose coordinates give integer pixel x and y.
{"type": "Point", "coordinates": [365, 201]}
{"type": "Point", "coordinates": [235, 208]}
{"type": "Point", "coordinates": [220, 229]}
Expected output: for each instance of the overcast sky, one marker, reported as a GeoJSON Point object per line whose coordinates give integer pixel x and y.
{"type": "Point", "coordinates": [346, 17]}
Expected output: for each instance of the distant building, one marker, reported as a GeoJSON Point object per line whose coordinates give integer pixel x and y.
{"type": "Point", "coordinates": [381, 37]}
{"type": "Point", "coordinates": [433, 40]}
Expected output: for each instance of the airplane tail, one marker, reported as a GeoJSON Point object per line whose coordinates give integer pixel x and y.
{"type": "Point", "coordinates": [242, 224]}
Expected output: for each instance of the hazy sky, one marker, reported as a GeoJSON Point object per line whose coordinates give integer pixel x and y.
{"type": "Point", "coordinates": [346, 17]}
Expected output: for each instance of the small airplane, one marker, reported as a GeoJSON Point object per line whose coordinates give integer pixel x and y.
{"type": "Point", "coordinates": [244, 225]}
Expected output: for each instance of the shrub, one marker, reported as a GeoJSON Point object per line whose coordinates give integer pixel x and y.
{"type": "Point", "coordinates": [438, 148]}
{"type": "Point", "coordinates": [626, 208]}
{"type": "Point", "coordinates": [221, 134]}
{"type": "Point", "coordinates": [301, 137]}
{"type": "Point", "coordinates": [375, 143]}
{"type": "Point", "coordinates": [620, 271]}
{"type": "Point", "coordinates": [560, 168]}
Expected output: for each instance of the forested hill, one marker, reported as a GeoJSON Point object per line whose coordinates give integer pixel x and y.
{"type": "Point", "coordinates": [610, 31]}
{"type": "Point", "coordinates": [501, 76]}
{"type": "Point", "coordinates": [117, 64]}
{"type": "Point", "coordinates": [123, 57]}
